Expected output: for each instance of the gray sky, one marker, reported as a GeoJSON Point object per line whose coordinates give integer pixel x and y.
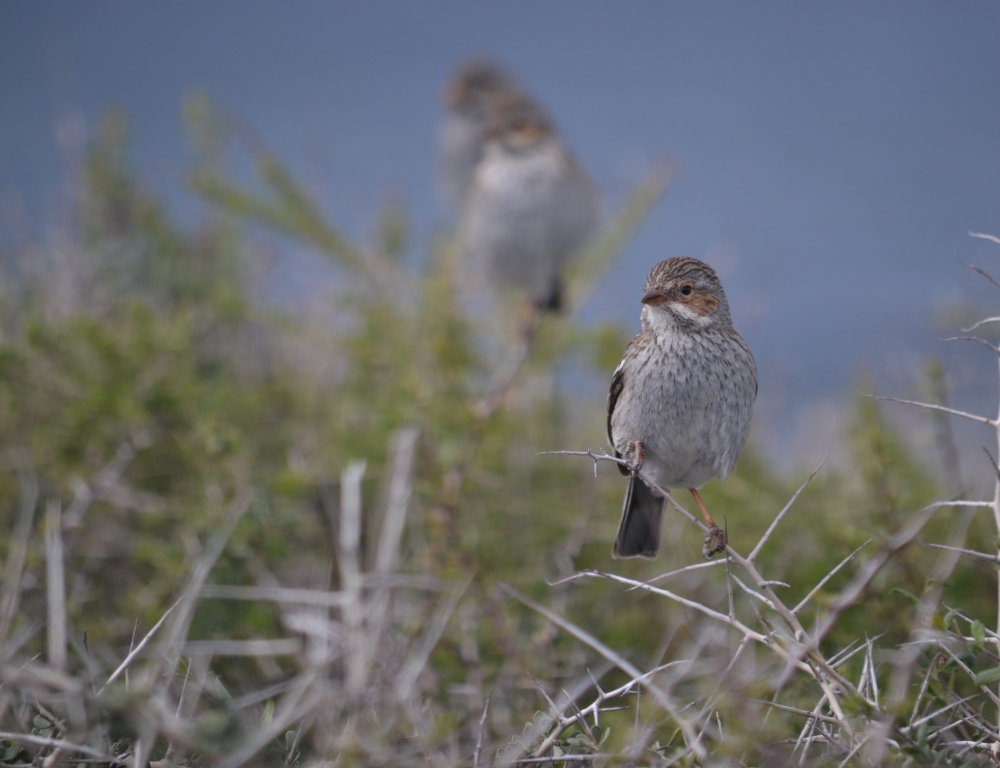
{"type": "Point", "coordinates": [833, 155]}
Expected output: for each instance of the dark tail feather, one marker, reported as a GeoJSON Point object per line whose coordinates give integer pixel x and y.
{"type": "Point", "coordinates": [639, 531]}
{"type": "Point", "coordinates": [553, 301]}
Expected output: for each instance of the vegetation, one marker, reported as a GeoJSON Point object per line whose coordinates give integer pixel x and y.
{"type": "Point", "coordinates": [342, 545]}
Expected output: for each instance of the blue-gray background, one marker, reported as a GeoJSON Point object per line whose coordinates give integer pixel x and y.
{"type": "Point", "coordinates": [833, 157]}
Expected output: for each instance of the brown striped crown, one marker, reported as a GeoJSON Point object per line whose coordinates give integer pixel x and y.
{"type": "Point", "coordinates": [475, 83]}
{"type": "Point", "coordinates": [679, 268]}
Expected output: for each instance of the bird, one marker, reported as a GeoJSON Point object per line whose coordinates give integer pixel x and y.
{"type": "Point", "coordinates": [680, 403]}
{"type": "Point", "coordinates": [468, 97]}
{"type": "Point", "coordinates": [532, 206]}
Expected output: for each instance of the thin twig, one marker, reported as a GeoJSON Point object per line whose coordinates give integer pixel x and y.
{"type": "Point", "coordinates": [774, 524]}
{"type": "Point", "coordinates": [932, 407]}
{"type": "Point", "coordinates": [138, 649]}
{"type": "Point", "coordinates": [482, 732]}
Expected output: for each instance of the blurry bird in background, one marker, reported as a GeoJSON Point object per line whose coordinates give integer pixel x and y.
{"type": "Point", "coordinates": [531, 207]}
{"type": "Point", "coordinates": [469, 97]}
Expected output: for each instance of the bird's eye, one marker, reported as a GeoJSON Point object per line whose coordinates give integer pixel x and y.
{"type": "Point", "coordinates": [686, 289]}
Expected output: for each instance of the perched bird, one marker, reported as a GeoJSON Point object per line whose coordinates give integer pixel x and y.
{"type": "Point", "coordinates": [531, 207]}
{"type": "Point", "coordinates": [680, 401]}
{"type": "Point", "coordinates": [468, 98]}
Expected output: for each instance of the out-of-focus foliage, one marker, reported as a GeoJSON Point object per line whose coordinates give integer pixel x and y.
{"type": "Point", "coordinates": [138, 338]}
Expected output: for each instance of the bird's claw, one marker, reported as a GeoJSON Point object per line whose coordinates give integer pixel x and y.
{"type": "Point", "coordinates": [636, 454]}
{"type": "Point", "coordinates": [715, 542]}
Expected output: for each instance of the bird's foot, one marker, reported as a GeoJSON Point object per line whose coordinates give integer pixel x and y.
{"type": "Point", "coordinates": [636, 456]}
{"type": "Point", "coordinates": [715, 542]}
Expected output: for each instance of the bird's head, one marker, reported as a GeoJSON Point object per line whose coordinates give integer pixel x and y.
{"type": "Point", "coordinates": [686, 292]}
{"type": "Point", "coordinates": [475, 86]}
{"type": "Point", "coordinates": [518, 123]}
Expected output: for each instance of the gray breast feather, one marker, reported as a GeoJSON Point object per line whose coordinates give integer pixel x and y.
{"type": "Point", "coordinates": [690, 406]}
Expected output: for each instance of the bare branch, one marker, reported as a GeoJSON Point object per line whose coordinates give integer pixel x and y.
{"type": "Point", "coordinates": [18, 547]}
{"type": "Point", "coordinates": [285, 646]}
{"type": "Point", "coordinates": [138, 649]}
{"type": "Point", "coordinates": [802, 712]}
{"type": "Point", "coordinates": [981, 272]}
{"type": "Point", "coordinates": [969, 552]}
{"type": "Point", "coordinates": [767, 535]}
{"type": "Point", "coordinates": [932, 407]}
{"type": "Point", "coordinates": [829, 576]}
{"type": "Point", "coordinates": [414, 664]}
{"type": "Point", "coordinates": [55, 584]}
{"type": "Point", "coordinates": [626, 666]}
{"type": "Point", "coordinates": [995, 350]}
{"type": "Point", "coordinates": [482, 732]}
{"type": "Point", "coordinates": [992, 238]}
{"type": "Point", "coordinates": [981, 323]}
{"type": "Point", "coordinates": [29, 738]}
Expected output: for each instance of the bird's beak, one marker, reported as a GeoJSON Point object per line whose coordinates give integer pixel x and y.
{"type": "Point", "coordinates": [452, 94]}
{"type": "Point", "coordinates": [653, 297]}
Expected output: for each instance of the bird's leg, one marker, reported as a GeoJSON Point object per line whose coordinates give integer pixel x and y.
{"type": "Point", "coordinates": [716, 539]}
{"type": "Point", "coordinates": [636, 455]}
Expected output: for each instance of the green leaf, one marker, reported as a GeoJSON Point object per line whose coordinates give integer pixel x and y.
{"type": "Point", "coordinates": [978, 632]}
{"type": "Point", "coordinates": [988, 676]}
{"type": "Point", "coordinates": [268, 714]}
{"type": "Point", "coordinates": [903, 593]}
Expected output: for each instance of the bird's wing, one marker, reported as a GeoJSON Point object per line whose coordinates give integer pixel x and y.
{"type": "Point", "coordinates": [617, 385]}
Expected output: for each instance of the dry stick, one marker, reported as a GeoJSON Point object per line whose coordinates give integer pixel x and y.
{"type": "Point", "coordinates": [291, 709]}
{"type": "Point", "coordinates": [594, 708]}
{"type": "Point", "coordinates": [993, 238]}
{"type": "Point", "coordinates": [969, 552]}
{"type": "Point", "coordinates": [284, 646]}
{"type": "Point", "coordinates": [482, 732]}
{"type": "Point", "coordinates": [199, 574]}
{"type": "Point", "coordinates": [402, 451]}
{"type": "Point", "coordinates": [826, 578]}
{"type": "Point", "coordinates": [626, 666]}
{"type": "Point", "coordinates": [317, 597]}
{"type": "Point", "coordinates": [928, 718]}
{"type": "Point", "coordinates": [969, 672]}
{"type": "Point", "coordinates": [168, 757]}
{"type": "Point", "coordinates": [131, 647]}
{"type": "Point", "coordinates": [348, 544]}
{"type": "Point", "coordinates": [803, 712]}
{"type": "Point", "coordinates": [69, 746]}
{"type": "Point", "coordinates": [138, 649]}
{"type": "Point", "coordinates": [55, 584]}
{"type": "Point", "coordinates": [17, 549]}
{"type": "Point", "coordinates": [774, 524]}
{"type": "Point", "coordinates": [943, 409]}
{"type": "Point", "coordinates": [980, 323]}
{"type": "Point", "coordinates": [923, 689]}
{"type": "Point", "coordinates": [899, 683]}
{"type": "Point", "coordinates": [856, 749]}
{"type": "Point", "coordinates": [417, 659]}
{"type": "Point", "coordinates": [981, 272]}
{"type": "Point", "coordinates": [849, 595]}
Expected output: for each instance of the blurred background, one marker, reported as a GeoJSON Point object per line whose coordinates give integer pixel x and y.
{"type": "Point", "coordinates": [228, 270]}
{"type": "Point", "coordinates": [832, 159]}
